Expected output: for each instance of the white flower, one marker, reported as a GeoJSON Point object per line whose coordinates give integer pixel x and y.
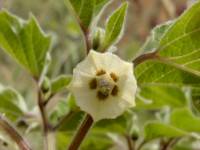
{"type": "Point", "coordinates": [104, 86]}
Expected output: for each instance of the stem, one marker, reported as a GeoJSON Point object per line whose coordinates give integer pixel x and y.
{"type": "Point", "coordinates": [86, 34]}
{"type": "Point", "coordinates": [169, 144]}
{"type": "Point", "coordinates": [45, 124]}
{"type": "Point", "coordinates": [87, 40]}
{"type": "Point", "coordinates": [81, 133]}
{"type": "Point", "coordinates": [51, 140]}
{"type": "Point", "coordinates": [129, 142]}
{"type": "Point", "coordinates": [141, 145]}
{"type": "Point", "coordinates": [12, 132]}
{"type": "Point", "coordinates": [64, 119]}
{"type": "Point", "coordinates": [140, 59]}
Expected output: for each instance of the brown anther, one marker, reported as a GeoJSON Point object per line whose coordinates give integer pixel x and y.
{"type": "Point", "coordinates": [114, 76]}
{"type": "Point", "coordinates": [93, 84]}
{"type": "Point", "coordinates": [102, 96]}
{"type": "Point", "coordinates": [115, 90]}
{"type": "Point", "coordinates": [100, 72]}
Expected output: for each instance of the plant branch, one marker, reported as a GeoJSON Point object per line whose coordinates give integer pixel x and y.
{"type": "Point", "coordinates": [46, 126]}
{"type": "Point", "coordinates": [64, 119]}
{"type": "Point", "coordinates": [81, 133]}
{"type": "Point", "coordinates": [86, 34]}
{"type": "Point", "coordinates": [140, 59]}
{"type": "Point", "coordinates": [12, 132]}
{"type": "Point", "coordinates": [169, 144]}
{"type": "Point", "coordinates": [129, 142]}
{"type": "Point", "coordinates": [141, 145]}
{"type": "Point", "coordinates": [87, 40]}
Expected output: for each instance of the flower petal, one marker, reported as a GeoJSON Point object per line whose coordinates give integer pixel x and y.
{"type": "Point", "coordinates": [111, 63]}
{"type": "Point", "coordinates": [128, 87]}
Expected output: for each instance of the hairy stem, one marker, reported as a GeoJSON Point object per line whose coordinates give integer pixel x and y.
{"type": "Point", "coordinates": [64, 119]}
{"type": "Point", "coordinates": [81, 133]}
{"type": "Point", "coordinates": [46, 126]}
{"type": "Point", "coordinates": [129, 142]}
{"type": "Point", "coordinates": [87, 40]}
{"type": "Point", "coordinates": [51, 141]}
{"type": "Point", "coordinates": [169, 144]}
{"type": "Point", "coordinates": [12, 132]}
{"type": "Point", "coordinates": [140, 59]}
{"type": "Point", "coordinates": [141, 145]}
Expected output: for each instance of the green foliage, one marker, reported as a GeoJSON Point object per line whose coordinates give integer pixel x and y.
{"type": "Point", "coordinates": [24, 41]}
{"type": "Point", "coordinates": [155, 130]}
{"type": "Point", "coordinates": [161, 79]}
{"type": "Point", "coordinates": [157, 33]}
{"type": "Point", "coordinates": [178, 54]}
{"type": "Point", "coordinates": [11, 103]}
{"type": "Point", "coordinates": [156, 97]}
{"type": "Point", "coordinates": [60, 83]}
{"type": "Point", "coordinates": [99, 5]}
{"type": "Point", "coordinates": [114, 26]}
{"type": "Point", "coordinates": [184, 119]}
{"type": "Point", "coordinates": [182, 122]}
{"type": "Point", "coordinates": [86, 10]}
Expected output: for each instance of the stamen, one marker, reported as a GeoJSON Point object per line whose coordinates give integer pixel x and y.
{"type": "Point", "coordinates": [115, 90]}
{"type": "Point", "coordinates": [93, 84]}
{"type": "Point", "coordinates": [101, 72]}
{"type": "Point", "coordinates": [114, 76]}
{"type": "Point", "coordinates": [102, 96]}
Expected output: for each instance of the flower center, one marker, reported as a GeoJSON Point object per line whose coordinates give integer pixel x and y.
{"type": "Point", "coordinates": [104, 84]}
{"type": "Point", "coordinates": [104, 88]}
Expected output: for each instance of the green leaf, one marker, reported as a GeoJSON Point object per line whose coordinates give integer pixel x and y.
{"type": "Point", "coordinates": [84, 10]}
{"type": "Point", "coordinates": [153, 41]}
{"type": "Point", "coordinates": [73, 122]}
{"type": "Point", "coordinates": [196, 98]}
{"type": "Point", "coordinates": [184, 119]}
{"type": "Point", "coordinates": [155, 97]}
{"type": "Point", "coordinates": [117, 125]}
{"type": "Point", "coordinates": [157, 73]}
{"type": "Point", "coordinates": [99, 5]}
{"type": "Point", "coordinates": [98, 141]}
{"type": "Point", "coordinates": [156, 129]}
{"type": "Point", "coordinates": [60, 83]}
{"type": "Point", "coordinates": [65, 107]}
{"type": "Point", "coordinates": [178, 52]}
{"type": "Point", "coordinates": [182, 122]}
{"type": "Point", "coordinates": [11, 103]}
{"type": "Point", "coordinates": [24, 41]}
{"type": "Point", "coordinates": [114, 26]}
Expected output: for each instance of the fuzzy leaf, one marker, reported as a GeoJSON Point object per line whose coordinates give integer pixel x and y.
{"type": "Point", "coordinates": [99, 5]}
{"type": "Point", "coordinates": [24, 41]}
{"type": "Point", "coordinates": [156, 97]}
{"type": "Point", "coordinates": [11, 103]}
{"type": "Point", "coordinates": [114, 26]}
{"type": "Point", "coordinates": [178, 51]}
{"type": "Point", "coordinates": [157, 129]}
{"type": "Point", "coordinates": [184, 119]}
{"type": "Point", "coordinates": [60, 83]}
{"type": "Point", "coordinates": [84, 10]}
{"type": "Point", "coordinates": [153, 41]}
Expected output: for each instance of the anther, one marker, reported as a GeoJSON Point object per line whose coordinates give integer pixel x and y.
{"type": "Point", "coordinates": [115, 90]}
{"type": "Point", "coordinates": [93, 84]}
{"type": "Point", "coordinates": [102, 96]}
{"type": "Point", "coordinates": [101, 72]}
{"type": "Point", "coordinates": [114, 77]}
